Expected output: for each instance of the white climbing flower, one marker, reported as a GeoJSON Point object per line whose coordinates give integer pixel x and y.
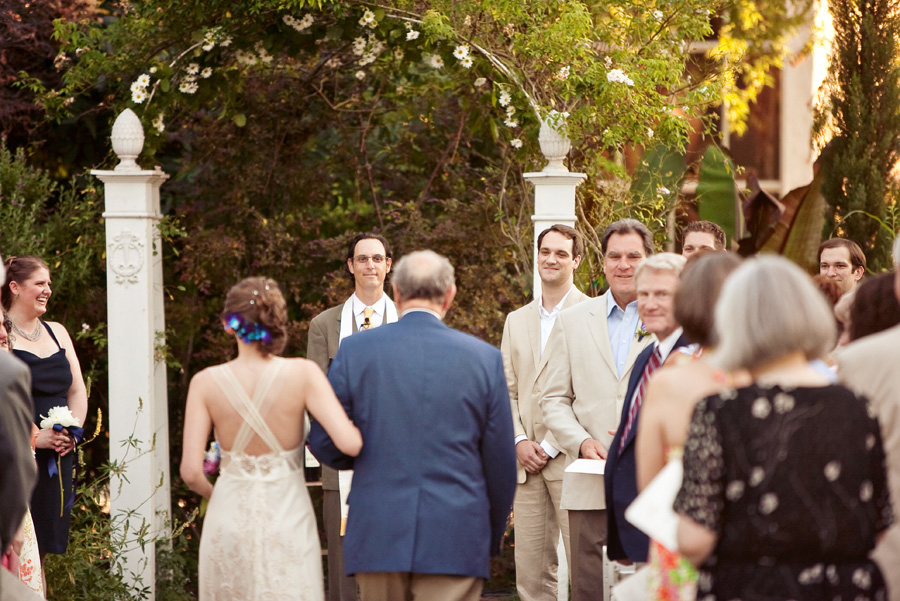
{"type": "Point", "coordinates": [505, 98]}
{"type": "Point", "coordinates": [206, 73]}
{"type": "Point", "coordinates": [515, 143]}
{"type": "Point", "coordinates": [143, 79]}
{"type": "Point", "coordinates": [461, 51]}
{"type": "Point", "coordinates": [411, 35]}
{"type": "Point", "coordinates": [159, 124]}
{"type": "Point", "coordinates": [188, 87]}
{"type": "Point", "coordinates": [513, 123]}
{"type": "Point", "coordinates": [618, 76]}
{"type": "Point", "coordinates": [479, 82]}
{"type": "Point", "coordinates": [139, 95]}
{"type": "Point", "coordinates": [467, 62]}
{"type": "Point", "coordinates": [193, 69]}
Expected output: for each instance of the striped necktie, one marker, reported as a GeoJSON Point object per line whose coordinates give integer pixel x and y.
{"type": "Point", "coordinates": [652, 363]}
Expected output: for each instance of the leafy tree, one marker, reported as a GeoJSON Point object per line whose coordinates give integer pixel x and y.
{"type": "Point", "coordinates": [862, 112]}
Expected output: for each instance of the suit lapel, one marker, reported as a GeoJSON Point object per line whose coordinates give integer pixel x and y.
{"type": "Point", "coordinates": [600, 332]}
{"type": "Point", "coordinates": [533, 321]}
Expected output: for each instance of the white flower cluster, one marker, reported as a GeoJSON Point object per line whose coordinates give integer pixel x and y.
{"type": "Point", "coordinates": [264, 55]}
{"type": "Point", "coordinates": [617, 76]}
{"type": "Point", "coordinates": [505, 100]}
{"type": "Point", "coordinates": [298, 24]}
{"type": "Point", "coordinates": [214, 36]}
{"type": "Point", "coordinates": [463, 55]}
{"type": "Point", "coordinates": [434, 61]}
{"type": "Point", "coordinates": [563, 73]}
{"type": "Point", "coordinates": [139, 89]}
{"type": "Point", "coordinates": [247, 59]}
{"type": "Point", "coordinates": [515, 143]}
{"type": "Point", "coordinates": [159, 124]}
{"type": "Point", "coordinates": [367, 49]}
{"type": "Point", "coordinates": [59, 415]}
{"type": "Point", "coordinates": [509, 121]}
{"type": "Point", "coordinates": [658, 15]}
{"type": "Point", "coordinates": [368, 19]}
{"type": "Point", "coordinates": [411, 34]}
{"type": "Point", "coordinates": [188, 85]}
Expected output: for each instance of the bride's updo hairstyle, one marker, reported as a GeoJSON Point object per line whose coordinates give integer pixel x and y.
{"type": "Point", "coordinates": [255, 309]}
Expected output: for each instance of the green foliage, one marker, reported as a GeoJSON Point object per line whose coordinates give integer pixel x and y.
{"type": "Point", "coordinates": [717, 193]}
{"type": "Point", "coordinates": [862, 111]}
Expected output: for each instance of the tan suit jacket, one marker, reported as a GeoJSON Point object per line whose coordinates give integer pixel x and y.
{"type": "Point", "coordinates": [321, 347]}
{"type": "Point", "coordinates": [869, 367]}
{"type": "Point", "coordinates": [583, 394]}
{"type": "Point", "coordinates": [524, 367]}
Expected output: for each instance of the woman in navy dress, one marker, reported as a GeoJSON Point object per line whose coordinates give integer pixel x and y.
{"type": "Point", "coordinates": [56, 382]}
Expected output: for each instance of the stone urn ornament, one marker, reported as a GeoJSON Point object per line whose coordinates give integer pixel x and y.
{"type": "Point", "coordinates": [127, 140]}
{"type": "Point", "coordinates": [555, 144]}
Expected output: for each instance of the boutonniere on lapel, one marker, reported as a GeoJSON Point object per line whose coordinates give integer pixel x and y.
{"type": "Point", "coordinates": [641, 332]}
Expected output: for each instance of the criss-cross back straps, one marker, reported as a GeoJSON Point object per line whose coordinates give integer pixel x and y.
{"type": "Point", "coordinates": [247, 408]}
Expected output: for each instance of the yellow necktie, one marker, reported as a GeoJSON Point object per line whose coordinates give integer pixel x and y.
{"type": "Point", "coordinates": [367, 323]}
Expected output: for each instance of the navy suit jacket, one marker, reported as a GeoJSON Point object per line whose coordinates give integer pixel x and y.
{"type": "Point", "coordinates": [434, 483]}
{"type": "Point", "coordinates": [625, 541]}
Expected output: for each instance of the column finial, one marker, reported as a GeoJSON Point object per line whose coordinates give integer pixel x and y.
{"type": "Point", "coordinates": [127, 140]}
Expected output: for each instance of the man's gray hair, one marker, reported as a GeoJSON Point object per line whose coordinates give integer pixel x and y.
{"type": "Point", "coordinates": [661, 262]}
{"type": "Point", "coordinates": [425, 275]}
{"type": "Point", "coordinates": [897, 253]}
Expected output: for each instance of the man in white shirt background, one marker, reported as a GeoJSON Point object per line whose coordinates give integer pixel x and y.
{"type": "Point", "coordinates": [538, 518]}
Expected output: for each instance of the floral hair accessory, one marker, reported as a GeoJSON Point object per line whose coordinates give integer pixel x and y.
{"type": "Point", "coordinates": [248, 332]}
{"type": "Point", "coordinates": [211, 459]}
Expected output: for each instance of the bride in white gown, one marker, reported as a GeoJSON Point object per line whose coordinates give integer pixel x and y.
{"type": "Point", "coordinates": [259, 538]}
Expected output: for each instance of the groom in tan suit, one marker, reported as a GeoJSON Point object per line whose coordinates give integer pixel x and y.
{"type": "Point", "coordinates": [590, 354]}
{"type": "Point", "coordinates": [869, 367]}
{"type": "Point", "coordinates": [368, 262]}
{"type": "Point", "coordinates": [537, 513]}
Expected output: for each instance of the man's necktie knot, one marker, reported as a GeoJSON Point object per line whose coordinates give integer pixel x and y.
{"type": "Point", "coordinates": [367, 321]}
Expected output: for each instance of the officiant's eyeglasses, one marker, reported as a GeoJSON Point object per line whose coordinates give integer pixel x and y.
{"type": "Point", "coordinates": [363, 259]}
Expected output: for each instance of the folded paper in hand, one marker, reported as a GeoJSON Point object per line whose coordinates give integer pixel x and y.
{"type": "Point", "coordinates": [587, 466]}
{"type": "Point", "coordinates": [652, 510]}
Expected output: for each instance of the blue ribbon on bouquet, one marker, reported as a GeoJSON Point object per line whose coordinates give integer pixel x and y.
{"type": "Point", "coordinates": [52, 462]}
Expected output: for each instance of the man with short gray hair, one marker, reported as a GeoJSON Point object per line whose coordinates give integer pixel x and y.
{"type": "Point", "coordinates": [434, 482]}
{"type": "Point", "coordinates": [869, 367]}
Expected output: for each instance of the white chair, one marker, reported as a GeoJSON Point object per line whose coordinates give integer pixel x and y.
{"type": "Point", "coordinates": [613, 573]}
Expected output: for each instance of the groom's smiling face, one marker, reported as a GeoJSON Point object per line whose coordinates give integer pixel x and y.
{"type": "Point", "coordinates": [369, 264]}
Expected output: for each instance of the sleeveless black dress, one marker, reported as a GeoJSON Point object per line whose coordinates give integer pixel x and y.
{"type": "Point", "coordinates": [51, 378]}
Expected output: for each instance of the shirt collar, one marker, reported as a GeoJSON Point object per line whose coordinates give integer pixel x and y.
{"type": "Point", "coordinates": [422, 310]}
{"type": "Point", "coordinates": [611, 303]}
{"type": "Point", "coordinates": [558, 306]}
{"type": "Point", "coordinates": [666, 346]}
{"type": "Point", "coordinates": [359, 306]}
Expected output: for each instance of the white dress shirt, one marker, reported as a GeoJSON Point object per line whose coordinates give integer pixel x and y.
{"type": "Point", "coordinates": [359, 308]}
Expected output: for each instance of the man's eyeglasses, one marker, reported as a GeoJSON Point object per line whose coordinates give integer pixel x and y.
{"type": "Point", "coordinates": [363, 259]}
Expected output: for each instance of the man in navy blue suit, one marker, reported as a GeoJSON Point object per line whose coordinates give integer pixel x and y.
{"type": "Point", "coordinates": [656, 280]}
{"type": "Point", "coordinates": [434, 483]}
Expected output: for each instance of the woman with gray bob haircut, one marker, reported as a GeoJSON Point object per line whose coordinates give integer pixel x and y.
{"type": "Point", "coordinates": [768, 308]}
{"type": "Point", "coordinates": [784, 491]}
{"type": "Point", "coordinates": [423, 275]}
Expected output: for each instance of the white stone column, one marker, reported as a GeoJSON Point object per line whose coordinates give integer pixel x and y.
{"type": "Point", "coordinates": [554, 189]}
{"type": "Point", "coordinates": [138, 402]}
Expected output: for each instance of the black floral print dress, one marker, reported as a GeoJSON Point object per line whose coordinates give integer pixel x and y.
{"type": "Point", "coordinates": [793, 483]}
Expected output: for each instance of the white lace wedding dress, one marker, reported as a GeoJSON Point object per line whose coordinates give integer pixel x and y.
{"type": "Point", "coordinates": [259, 539]}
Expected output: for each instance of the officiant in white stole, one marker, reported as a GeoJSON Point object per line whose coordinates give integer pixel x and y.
{"type": "Point", "coordinates": [368, 262]}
